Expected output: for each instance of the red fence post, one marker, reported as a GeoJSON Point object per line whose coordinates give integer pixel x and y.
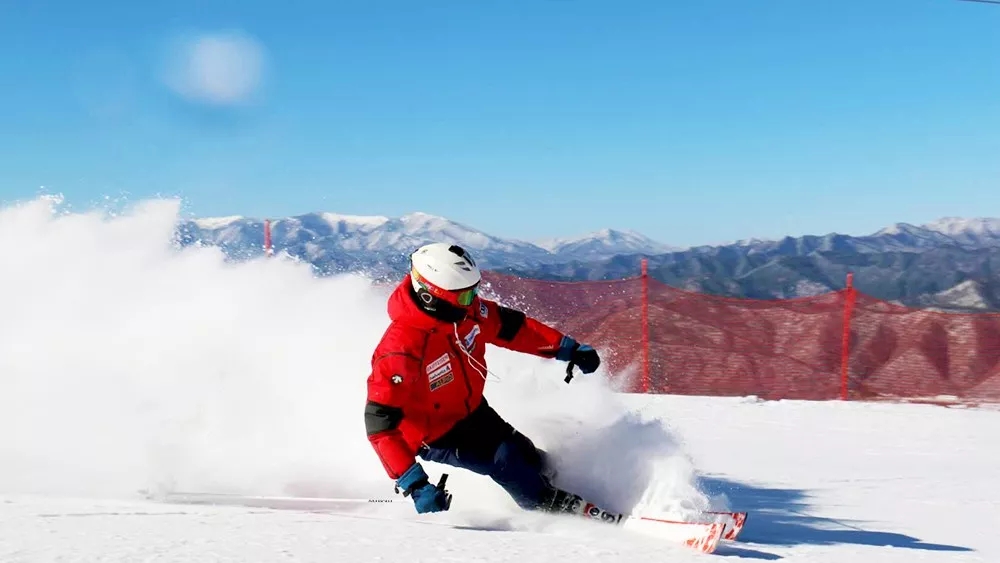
{"type": "Point", "coordinates": [645, 325]}
{"type": "Point", "coordinates": [845, 347]}
{"type": "Point", "coordinates": [267, 238]}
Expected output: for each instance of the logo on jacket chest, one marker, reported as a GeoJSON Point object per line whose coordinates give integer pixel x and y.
{"type": "Point", "coordinates": [439, 372]}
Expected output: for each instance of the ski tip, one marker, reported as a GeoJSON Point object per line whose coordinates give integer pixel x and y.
{"type": "Point", "coordinates": [734, 522]}
{"type": "Point", "coordinates": [709, 542]}
{"type": "Point", "coordinates": [739, 520]}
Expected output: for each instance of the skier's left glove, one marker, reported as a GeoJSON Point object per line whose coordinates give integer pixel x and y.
{"type": "Point", "coordinates": [580, 354]}
{"type": "Point", "coordinates": [426, 497]}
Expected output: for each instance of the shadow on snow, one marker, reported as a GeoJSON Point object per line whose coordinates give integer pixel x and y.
{"type": "Point", "coordinates": [780, 517]}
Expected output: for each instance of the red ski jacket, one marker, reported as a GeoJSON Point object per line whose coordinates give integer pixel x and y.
{"type": "Point", "coordinates": [423, 380]}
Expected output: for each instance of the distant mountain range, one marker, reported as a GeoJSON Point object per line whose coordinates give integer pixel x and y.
{"type": "Point", "coordinates": [382, 245]}
{"type": "Point", "coordinates": [951, 263]}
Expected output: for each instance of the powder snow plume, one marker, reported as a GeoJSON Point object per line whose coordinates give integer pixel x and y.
{"type": "Point", "coordinates": [128, 363]}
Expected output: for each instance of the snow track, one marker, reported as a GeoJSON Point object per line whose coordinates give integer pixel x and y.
{"type": "Point", "coordinates": [861, 490]}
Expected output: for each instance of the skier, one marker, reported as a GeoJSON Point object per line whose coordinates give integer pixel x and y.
{"type": "Point", "coordinates": [425, 390]}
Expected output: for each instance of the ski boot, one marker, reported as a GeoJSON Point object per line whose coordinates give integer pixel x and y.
{"type": "Point", "coordinates": [563, 502]}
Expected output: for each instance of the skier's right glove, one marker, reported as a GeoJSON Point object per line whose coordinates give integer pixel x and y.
{"type": "Point", "coordinates": [426, 497]}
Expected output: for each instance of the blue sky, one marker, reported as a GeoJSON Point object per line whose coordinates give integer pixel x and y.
{"type": "Point", "coordinates": [693, 122]}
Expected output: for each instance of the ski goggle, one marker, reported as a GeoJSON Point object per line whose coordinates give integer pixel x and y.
{"type": "Point", "coordinates": [466, 296]}
{"type": "Point", "coordinates": [461, 297]}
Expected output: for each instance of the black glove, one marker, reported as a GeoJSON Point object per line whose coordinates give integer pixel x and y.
{"type": "Point", "coordinates": [582, 355]}
{"type": "Point", "coordinates": [426, 497]}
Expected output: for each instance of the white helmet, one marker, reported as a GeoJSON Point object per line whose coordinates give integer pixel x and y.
{"type": "Point", "coordinates": [446, 272]}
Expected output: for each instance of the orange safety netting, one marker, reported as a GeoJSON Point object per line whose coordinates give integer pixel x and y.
{"type": "Point", "coordinates": [899, 352]}
{"type": "Point", "coordinates": [659, 339]}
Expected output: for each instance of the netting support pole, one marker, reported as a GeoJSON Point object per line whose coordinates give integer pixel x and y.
{"type": "Point", "coordinates": [268, 251]}
{"type": "Point", "coordinates": [645, 325]}
{"type": "Point", "coordinates": [845, 346]}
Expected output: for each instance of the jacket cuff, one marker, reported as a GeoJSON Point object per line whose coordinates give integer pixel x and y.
{"type": "Point", "coordinates": [411, 478]}
{"type": "Point", "coordinates": [566, 347]}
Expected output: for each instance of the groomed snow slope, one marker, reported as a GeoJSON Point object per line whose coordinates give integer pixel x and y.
{"type": "Point", "coordinates": [126, 365]}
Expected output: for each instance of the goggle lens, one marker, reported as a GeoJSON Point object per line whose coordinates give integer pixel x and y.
{"type": "Point", "coordinates": [466, 297]}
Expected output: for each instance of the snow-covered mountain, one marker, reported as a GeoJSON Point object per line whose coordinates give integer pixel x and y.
{"type": "Point", "coordinates": [604, 242]}
{"type": "Point", "coordinates": [911, 237]}
{"type": "Point", "coordinates": [337, 242]}
{"type": "Point", "coordinates": [899, 237]}
{"type": "Point", "coordinates": [970, 232]}
{"type": "Point", "coordinates": [387, 235]}
{"type": "Point", "coordinates": [917, 264]}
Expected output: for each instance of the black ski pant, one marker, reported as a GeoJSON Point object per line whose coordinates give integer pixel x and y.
{"type": "Point", "coordinates": [486, 444]}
